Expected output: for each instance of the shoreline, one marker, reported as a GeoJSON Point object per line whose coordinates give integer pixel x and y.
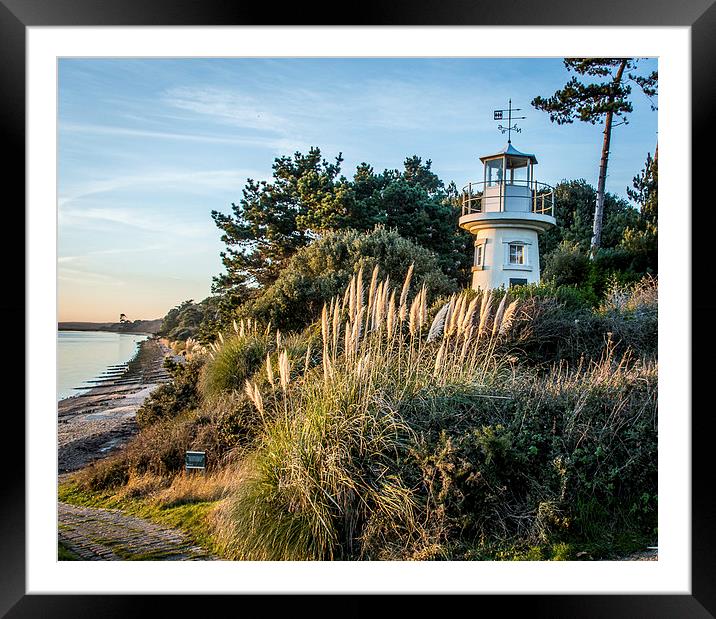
{"type": "Point", "coordinates": [85, 386]}
{"type": "Point", "coordinates": [92, 425]}
{"type": "Point", "coordinates": [147, 333]}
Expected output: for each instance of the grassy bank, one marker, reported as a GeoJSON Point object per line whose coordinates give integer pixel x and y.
{"type": "Point", "coordinates": [399, 427]}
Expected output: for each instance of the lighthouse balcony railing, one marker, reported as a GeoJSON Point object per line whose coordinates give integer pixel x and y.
{"type": "Point", "coordinates": [482, 197]}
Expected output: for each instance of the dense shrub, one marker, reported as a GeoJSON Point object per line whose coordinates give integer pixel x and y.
{"type": "Point", "coordinates": [567, 265]}
{"type": "Point", "coordinates": [560, 324]}
{"type": "Point", "coordinates": [321, 270]}
{"type": "Point", "coordinates": [172, 398]}
{"type": "Point", "coordinates": [235, 421]}
{"type": "Point", "coordinates": [614, 264]}
{"type": "Point", "coordinates": [571, 299]}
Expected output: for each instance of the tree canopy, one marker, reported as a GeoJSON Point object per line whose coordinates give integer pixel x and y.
{"type": "Point", "coordinates": [307, 197]}
{"type": "Point", "coordinates": [591, 102]}
{"type": "Point", "coordinates": [189, 319]}
{"type": "Point", "coordinates": [574, 209]}
{"type": "Point", "coordinates": [641, 237]}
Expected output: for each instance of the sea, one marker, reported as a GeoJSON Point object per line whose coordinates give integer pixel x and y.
{"type": "Point", "coordinates": [84, 355]}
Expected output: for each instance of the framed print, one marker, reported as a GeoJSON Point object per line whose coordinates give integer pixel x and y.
{"type": "Point", "coordinates": [50, 45]}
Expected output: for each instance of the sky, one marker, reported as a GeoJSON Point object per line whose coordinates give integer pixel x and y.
{"type": "Point", "coordinates": [148, 147]}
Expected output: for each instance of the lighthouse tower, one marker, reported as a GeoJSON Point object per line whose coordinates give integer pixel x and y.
{"type": "Point", "coordinates": [506, 211]}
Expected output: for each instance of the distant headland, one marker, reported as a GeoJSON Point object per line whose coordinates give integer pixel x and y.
{"type": "Point", "coordinates": [127, 326]}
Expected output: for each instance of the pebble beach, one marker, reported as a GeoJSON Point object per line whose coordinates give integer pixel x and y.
{"type": "Point", "coordinates": [93, 424]}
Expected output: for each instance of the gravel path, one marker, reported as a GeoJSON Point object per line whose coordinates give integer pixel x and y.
{"type": "Point", "coordinates": [95, 534]}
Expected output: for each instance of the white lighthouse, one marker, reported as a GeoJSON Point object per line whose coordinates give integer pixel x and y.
{"type": "Point", "coordinates": [506, 211]}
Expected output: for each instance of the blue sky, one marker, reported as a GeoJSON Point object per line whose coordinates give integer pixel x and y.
{"type": "Point", "coordinates": [148, 147]}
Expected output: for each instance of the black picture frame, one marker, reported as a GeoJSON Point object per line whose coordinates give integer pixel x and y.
{"type": "Point", "coordinates": [699, 15]}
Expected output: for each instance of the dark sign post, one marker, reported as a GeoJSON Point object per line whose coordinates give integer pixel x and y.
{"type": "Point", "coordinates": [195, 461]}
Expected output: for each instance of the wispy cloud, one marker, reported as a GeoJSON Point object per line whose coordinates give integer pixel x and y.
{"type": "Point", "coordinates": [185, 180]}
{"type": "Point", "coordinates": [226, 106]}
{"type": "Point", "coordinates": [111, 252]}
{"type": "Point", "coordinates": [272, 143]}
{"type": "Point", "coordinates": [142, 220]}
{"type": "Point", "coordinates": [377, 102]}
{"type": "Point", "coordinates": [87, 278]}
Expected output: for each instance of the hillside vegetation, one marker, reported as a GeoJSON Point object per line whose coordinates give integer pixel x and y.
{"type": "Point", "coordinates": [400, 426]}
{"type": "Point", "coordinates": [355, 402]}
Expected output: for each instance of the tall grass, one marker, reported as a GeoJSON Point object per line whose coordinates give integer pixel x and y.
{"type": "Point", "coordinates": [327, 476]}
{"type": "Point", "coordinates": [232, 359]}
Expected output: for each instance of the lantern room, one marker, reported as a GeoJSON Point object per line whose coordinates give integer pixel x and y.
{"type": "Point", "coordinates": [505, 211]}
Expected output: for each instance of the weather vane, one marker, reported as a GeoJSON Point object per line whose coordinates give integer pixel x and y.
{"type": "Point", "coordinates": [509, 128]}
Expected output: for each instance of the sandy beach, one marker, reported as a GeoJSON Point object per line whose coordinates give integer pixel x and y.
{"type": "Point", "coordinates": [93, 424]}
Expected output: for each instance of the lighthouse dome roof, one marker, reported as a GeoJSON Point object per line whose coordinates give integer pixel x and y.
{"type": "Point", "coordinates": [512, 152]}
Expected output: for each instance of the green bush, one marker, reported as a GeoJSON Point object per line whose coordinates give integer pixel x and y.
{"type": "Point", "coordinates": [235, 420]}
{"type": "Point", "coordinates": [615, 263]}
{"type": "Point", "coordinates": [563, 323]}
{"type": "Point", "coordinates": [571, 299]}
{"type": "Point", "coordinates": [568, 457]}
{"type": "Point", "coordinates": [321, 270]}
{"type": "Point", "coordinates": [567, 265]}
{"type": "Point", "coordinates": [172, 398]}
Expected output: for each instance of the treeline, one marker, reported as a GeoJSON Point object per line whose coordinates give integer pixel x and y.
{"type": "Point", "coordinates": [128, 326]}
{"type": "Point", "coordinates": [294, 242]}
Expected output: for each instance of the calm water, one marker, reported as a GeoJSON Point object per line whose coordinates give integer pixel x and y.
{"type": "Point", "coordinates": [83, 355]}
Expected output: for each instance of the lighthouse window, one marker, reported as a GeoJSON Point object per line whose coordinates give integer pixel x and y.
{"type": "Point", "coordinates": [478, 255]}
{"type": "Point", "coordinates": [517, 253]}
{"type": "Point", "coordinates": [494, 171]}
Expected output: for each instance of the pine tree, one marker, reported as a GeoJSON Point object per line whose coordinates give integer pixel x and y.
{"type": "Point", "coordinates": [600, 101]}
